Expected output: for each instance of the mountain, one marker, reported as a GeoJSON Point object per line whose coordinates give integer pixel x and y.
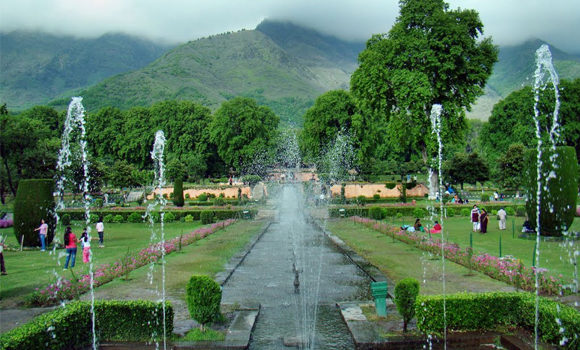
{"type": "Point", "coordinates": [515, 69]}
{"type": "Point", "coordinates": [281, 65]}
{"type": "Point", "coordinates": [38, 67]}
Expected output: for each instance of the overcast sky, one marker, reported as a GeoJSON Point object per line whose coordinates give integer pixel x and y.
{"type": "Point", "coordinates": [508, 21]}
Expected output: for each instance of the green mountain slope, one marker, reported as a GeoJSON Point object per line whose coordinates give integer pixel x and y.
{"type": "Point", "coordinates": [213, 70]}
{"type": "Point", "coordinates": [37, 67]}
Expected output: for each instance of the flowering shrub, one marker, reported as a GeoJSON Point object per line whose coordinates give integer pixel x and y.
{"type": "Point", "coordinates": [65, 289]}
{"type": "Point", "coordinates": [510, 271]}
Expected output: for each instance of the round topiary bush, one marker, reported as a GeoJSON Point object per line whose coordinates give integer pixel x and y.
{"type": "Point", "coordinates": [376, 213]}
{"type": "Point", "coordinates": [520, 211]}
{"type": "Point", "coordinates": [406, 292]}
{"type": "Point", "coordinates": [118, 218]}
{"type": "Point", "coordinates": [188, 218]}
{"type": "Point", "coordinates": [376, 196]}
{"type": "Point", "coordinates": [206, 217]}
{"type": "Point", "coordinates": [202, 197]}
{"type": "Point", "coordinates": [399, 215]}
{"type": "Point", "coordinates": [203, 297]}
{"type": "Point", "coordinates": [361, 200]}
{"type": "Point", "coordinates": [559, 191]}
{"type": "Point", "coordinates": [418, 213]}
{"type": "Point", "coordinates": [390, 185]}
{"type": "Point", "coordinates": [108, 218]}
{"type": "Point", "coordinates": [510, 211]}
{"type": "Point", "coordinates": [99, 202]}
{"type": "Point", "coordinates": [134, 218]}
{"type": "Point", "coordinates": [484, 198]}
{"type": "Point", "coordinates": [34, 201]}
{"type": "Point", "coordinates": [169, 217]}
{"type": "Point", "coordinates": [465, 212]}
{"type": "Point", "coordinates": [65, 219]}
{"type": "Point", "coordinates": [450, 212]}
{"type": "Point", "coordinates": [178, 199]}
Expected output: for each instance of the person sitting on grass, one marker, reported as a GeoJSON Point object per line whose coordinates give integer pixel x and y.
{"type": "Point", "coordinates": [436, 228]}
{"type": "Point", "coordinates": [418, 226]}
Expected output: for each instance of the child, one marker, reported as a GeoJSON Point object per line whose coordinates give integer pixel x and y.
{"type": "Point", "coordinates": [86, 242]}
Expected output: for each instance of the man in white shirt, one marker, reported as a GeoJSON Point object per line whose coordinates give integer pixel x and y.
{"type": "Point", "coordinates": [502, 216]}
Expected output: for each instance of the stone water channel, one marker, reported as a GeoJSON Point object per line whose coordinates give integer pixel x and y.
{"type": "Point", "coordinates": [303, 315]}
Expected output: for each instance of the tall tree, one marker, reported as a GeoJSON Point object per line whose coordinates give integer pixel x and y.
{"type": "Point", "coordinates": [466, 168]}
{"type": "Point", "coordinates": [241, 130]}
{"type": "Point", "coordinates": [511, 166]}
{"type": "Point", "coordinates": [431, 55]}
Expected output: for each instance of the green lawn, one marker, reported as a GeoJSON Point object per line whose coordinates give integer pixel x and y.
{"type": "Point", "coordinates": [399, 260]}
{"type": "Point", "coordinates": [553, 256]}
{"type": "Point", "coordinates": [32, 269]}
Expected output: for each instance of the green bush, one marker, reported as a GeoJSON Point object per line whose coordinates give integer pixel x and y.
{"type": "Point", "coordinates": [219, 202]}
{"type": "Point", "coordinates": [390, 185]}
{"type": "Point", "coordinates": [178, 199]}
{"type": "Point", "coordinates": [361, 200]}
{"type": "Point", "coordinates": [188, 218]}
{"type": "Point", "coordinates": [118, 218]}
{"type": "Point", "coordinates": [187, 196]}
{"type": "Point", "coordinates": [487, 311]}
{"type": "Point", "coordinates": [169, 217]}
{"type": "Point", "coordinates": [399, 215]}
{"type": "Point", "coordinates": [206, 217]}
{"type": "Point", "coordinates": [493, 212]}
{"type": "Point", "coordinates": [94, 218]}
{"type": "Point", "coordinates": [99, 202]}
{"type": "Point", "coordinates": [71, 327]}
{"type": "Point", "coordinates": [558, 201]}
{"type": "Point", "coordinates": [65, 219]}
{"type": "Point", "coordinates": [202, 197]}
{"type": "Point", "coordinates": [510, 211]}
{"type": "Point", "coordinates": [450, 212]}
{"type": "Point", "coordinates": [134, 218]}
{"type": "Point", "coordinates": [465, 212]}
{"type": "Point", "coordinates": [520, 211]}
{"type": "Point", "coordinates": [34, 201]}
{"type": "Point", "coordinates": [485, 198]}
{"type": "Point", "coordinates": [108, 218]}
{"type": "Point", "coordinates": [376, 213]}
{"type": "Point", "coordinates": [418, 213]}
{"type": "Point", "coordinates": [406, 292]}
{"type": "Point", "coordinates": [203, 297]}
{"type": "Point", "coordinates": [376, 196]}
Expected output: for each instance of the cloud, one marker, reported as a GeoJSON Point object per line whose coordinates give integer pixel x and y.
{"type": "Point", "coordinates": [508, 21]}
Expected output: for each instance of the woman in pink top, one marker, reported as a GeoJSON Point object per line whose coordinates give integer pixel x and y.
{"type": "Point", "coordinates": [70, 242]}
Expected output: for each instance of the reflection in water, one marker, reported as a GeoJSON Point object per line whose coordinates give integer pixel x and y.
{"type": "Point", "coordinates": [267, 277]}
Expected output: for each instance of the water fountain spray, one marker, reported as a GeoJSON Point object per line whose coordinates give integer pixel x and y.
{"type": "Point", "coordinates": [543, 65]}
{"type": "Point", "coordinates": [436, 127]}
{"type": "Point", "coordinates": [75, 131]}
{"type": "Point", "coordinates": [159, 203]}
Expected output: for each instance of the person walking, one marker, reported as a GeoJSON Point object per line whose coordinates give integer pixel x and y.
{"type": "Point", "coordinates": [475, 218]}
{"type": "Point", "coordinates": [502, 216]}
{"type": "Point", "coordinates": [43, 228]}
{"type": "Point", "coordinates": [2, 266]}
{"type": "Point", "coordinates": [86, 243]}
{"type": "Point", "coordinates": [101, 231]}
{"type": "Point", "coordinates": [484, 219]}
{"type": "Point", "coordinates": [70, 243]}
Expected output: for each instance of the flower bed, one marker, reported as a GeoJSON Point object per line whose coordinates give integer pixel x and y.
{"type": "Point", "coordinates": [512, 272]}
{"type": "Point", "coordinates": [68, 289]}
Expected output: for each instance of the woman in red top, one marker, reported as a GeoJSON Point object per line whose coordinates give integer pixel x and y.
{"type": "Point", "coordinates": [436, 228]}
{"type": "Point", "coordinates": [70, 242]}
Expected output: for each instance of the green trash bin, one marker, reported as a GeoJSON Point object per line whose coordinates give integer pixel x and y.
{"type": "Point", "coordinates": [379, 290]}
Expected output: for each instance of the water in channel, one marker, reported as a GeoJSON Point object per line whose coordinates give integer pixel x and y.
{"type": "Point", "coordinates": [305, 312]}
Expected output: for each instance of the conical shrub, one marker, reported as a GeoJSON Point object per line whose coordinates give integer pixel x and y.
{"type": "Point", "coordinates": [34, 202]}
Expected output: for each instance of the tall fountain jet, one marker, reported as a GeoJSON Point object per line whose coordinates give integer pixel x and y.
{"type": "Point", "coordinates": [73, 136]}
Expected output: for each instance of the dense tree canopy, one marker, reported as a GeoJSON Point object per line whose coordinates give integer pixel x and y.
{"type": "Point", "coordinates": [241, 130]}
{"type": "Point", "coordinates": [466, 168]}
{"type": "Point", "coordinates": [511, 120]}
{"type": "Point", "coordinates": [432, 55]}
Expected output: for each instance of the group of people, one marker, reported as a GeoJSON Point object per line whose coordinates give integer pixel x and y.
{"type": "Point", "coordinates": [480, 219]}
{"type": "Point", "coordinates": [71, 241]}
{"type": "Point", "coordinates": [417, 226]}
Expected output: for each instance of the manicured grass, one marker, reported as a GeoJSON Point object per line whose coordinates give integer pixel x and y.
{"type": "Point", "coordinates": [399, 260]}
{"type": "Point", "coordinates": [208, 335]}
{"type": "Point", "coordinates": [207, 256]}
{"type": "Point", "coordinates": [32, 269]}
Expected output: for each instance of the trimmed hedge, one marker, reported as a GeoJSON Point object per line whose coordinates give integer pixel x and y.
{"type": "Point", "coordinates": [406, 291]}
{"type": "Point", "coordinates": [487, 311]}
{"type": "Point", "coordinates": [206, 217]}
{"type": "Point", "coordinates": [71, 327]}
{"type": "Point", "coordinates": [34, 201]}
{"type": "Point", "coordinates": [220, 214]}
{"type": "Point", "coordinates": [178, 199]}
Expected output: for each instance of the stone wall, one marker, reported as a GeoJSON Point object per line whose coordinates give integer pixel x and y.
{"type": "Point", "coordinates": [231, 192]}
{"type": "Point", "coordinates": [369, 190]}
